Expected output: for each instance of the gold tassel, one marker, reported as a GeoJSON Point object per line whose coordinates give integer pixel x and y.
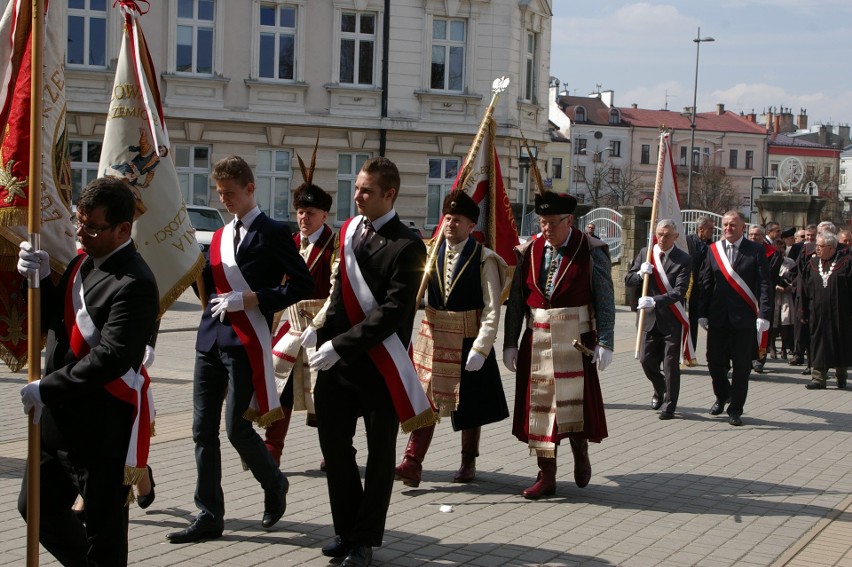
{"type": "Point", "coordinates": [177, 290]}
{"type": "Point", "coordinates": [153, 428]}
{"type": "Point", "coordinates": [425, 419]}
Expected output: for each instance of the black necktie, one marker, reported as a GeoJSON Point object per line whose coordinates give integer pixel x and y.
{"type": "Point", "coordinates": [237, 226]}
{"type": "Point", "coordinates": [86, 267]}
{"type": "Point", "coordinates": [366, 233]}
{"type": "Point", "coordinates": [662, 258]}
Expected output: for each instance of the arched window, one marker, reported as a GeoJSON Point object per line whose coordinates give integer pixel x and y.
{"type": "Point", "coordinates": [580, 114]}
{"type": "Point", "coordinates": [614, 116]}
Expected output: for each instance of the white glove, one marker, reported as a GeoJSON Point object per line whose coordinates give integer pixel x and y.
{"type": "Point", "coordinates": [32, 262]}
{"type": "Point", "coordinates": [762, 325]}
{"type": "Point", "coordinates": [510, 358]}
{"type": "Point", "coordinates": [309, 337]}
{"type": "Point", "coordinates": [324, 358]}
{"type": "Point", "coordinates": [227, 302]}
{"type": "Point", "coordinates": [646, 302]}
{"type": "Point", "coordinates": [148, 359]}
{"type": "Point", "coordinates": [31, 398]}
{"type": "Point", "coordinates": [474, 361]}
{"type": "Point", "coordinates": [646, 268]}
{"type": "Point", "coordinates": [603, 356]}
{"type": "Point", "coordinates": [704, 323]}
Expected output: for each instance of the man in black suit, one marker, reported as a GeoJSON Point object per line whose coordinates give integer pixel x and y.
{"type": "Point", "coordinates": [666, 323]}
{"type": "Point", "coordinates": [735, 308]}
{"type": "Point", "coordinates": [801, 253]}
{"type": "Point", "coordinates": [758, 235]}
{"type": "Point", "coordinates": [86, 420]}
{"type": "Point", "coordinates": [243, 277]}
{"type": "Point", "coordinates": [697, 246]}
{"type": "Point", "coordinates": [371, 309]}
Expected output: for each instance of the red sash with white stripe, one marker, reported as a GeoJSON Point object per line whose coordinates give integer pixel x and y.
{"type": "Point", "coordinates": [251, 329]}
{"type": "Point", "coordinates": [687, 354]}
{"type": "Point", "coordinates": [132, 388]}
{"type": "Point", "coordinates": [391, 357]}
{"type": "Point", "coordinates": [739, 285]}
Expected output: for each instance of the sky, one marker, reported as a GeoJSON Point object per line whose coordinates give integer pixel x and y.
{"type": "Point", "coordinates": [767, 53]}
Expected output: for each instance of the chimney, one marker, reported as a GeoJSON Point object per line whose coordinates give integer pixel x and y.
{"type": "Point", "coordinates": [802, 120]}
{"type": "Point", "coordinates": [843, 132]}
{"type": "Point", "coordinates": [769, 124]}
{"type": "Point", "coordinates": [822, 137]}
{"type": "Point", "coordinates": [634, 105]}
{"type": "Point", "coordinates": [787, 121]}
{"type": "Point", "coordinates": [776, 126]}
{"type": "Point", "coordinates": [687, 110]}
{"type": "Point", "coordinates": [752, 117]}
{"type": "Point", "coordinates": [720, 109]}
{"type": "Point", "coordinates": [608, 98]}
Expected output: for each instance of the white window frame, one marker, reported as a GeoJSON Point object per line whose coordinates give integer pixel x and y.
{"type": "Point", "coordinates": [358, 37]}
{"type": "Point", "coordinates": [531, 67]}
{"type": "Point", "coordinates": [190, 171]}
{"type": "Point", "coordinates": [88, 15]}
{"type": "Point", "coordinates": [278, 31]}
{"type": "Point", "coordinates": [448, 43]}
{"type": "Point", "coordinates": [88, 170]}
{"type": "Point", "coordinates": [346, 185]}
{"type": "Point", "coordinates": [266, 180]}
{"type": "Point", "coordinates": [616, 148]}
{"type": "Point", "coordinates": [217, 55]}
{"type": "Point", "coordinates": [444, 185]}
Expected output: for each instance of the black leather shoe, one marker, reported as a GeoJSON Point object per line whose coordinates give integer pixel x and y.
{"type": "Point", "coordinates": [145, 500]}
{"type": "Point", "coordinates": [337, 548]}
{"type": "Point", "coordinates": [197, 531]}
{"type": "Point", "coordinates": [758, 367]}
{"type": "Point", "coordinates": [815, 385]}
{"type": "Point", "coordinates": [735, 420]}
{"type": "Point", "coordinates": [274, 505]}
{"type": "Point", "coordinates": [718, 407]}
{"type": "Point", "coordinates": [797, 361]}
{"type": "Point", "coordinates": [665, 415]}
{"type": "Point", "coordinates": [360, 556]}
{"type": "Point", "coordinates": [807, 371]}
{"type": "Point", "coordinates": [841, 383]}
{"type": "Point", "coordinates": [656, 402]}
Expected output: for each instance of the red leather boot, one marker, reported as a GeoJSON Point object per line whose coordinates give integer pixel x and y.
{"type": "Point", "coordinates": [275, 435]}
{"type": "Point", "coordinates": [470, 450]}
{"type": "Point", "coordinates": [582, 465]}
{"type": "Point", "coordinates": [545, 482]}
{"type": "Point", "coordinates": [408, 471]}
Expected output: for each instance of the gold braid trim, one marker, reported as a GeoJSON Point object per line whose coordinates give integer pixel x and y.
{"type": "Point", "coordinates": [266, 419]}
{"type": "Point", "coordinates": [13, 216]}
{"type": "Point", "coordinates": [153, 428]}
{"type": "Point", "coordinates": [173, 294]}
{"type": "Point", "coordinates": [546, 453]}
{"type": "Point", "coordinates": [425, 419]}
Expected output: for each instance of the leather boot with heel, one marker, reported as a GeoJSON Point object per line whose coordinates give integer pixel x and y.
{"type": "Point", "coordinates": [470, 450]}
{"type": "Point", "coordinates": [545, 482]}
{"type": "Point", "coordinates": [582, 465]}
{"type": "Point", "coordinates": [411, 467]}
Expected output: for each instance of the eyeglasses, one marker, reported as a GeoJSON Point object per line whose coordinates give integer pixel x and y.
{"type": "Point", "coordinates": [543, 223]}
{"type": "Point", "coordinates": [93, 231]}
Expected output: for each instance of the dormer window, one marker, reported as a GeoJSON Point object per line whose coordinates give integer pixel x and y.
{"type": "Point", "coordinates": [580, 114]}
{"type": "Point", "coordinates": [614, 116]}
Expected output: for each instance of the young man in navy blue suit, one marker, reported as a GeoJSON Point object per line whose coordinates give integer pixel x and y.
{"type": "Point", "coordinates": [736, 306]}
{"type": "Point", "coordinates": [249, 259]}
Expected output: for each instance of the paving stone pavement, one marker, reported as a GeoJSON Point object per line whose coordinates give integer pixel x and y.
{"type": "Point", "coordinates": [690, 491]}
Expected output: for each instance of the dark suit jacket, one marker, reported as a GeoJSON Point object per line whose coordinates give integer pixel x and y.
{"type": "Point", "coordinates": [721, 304]}
{"type": "Point", "coordinates": [392, 263]}
{"type": "Point", "coordinates": [266, 254]}
{"type": "Point", "coordinates": [678, 268]}
{"type": "Point", "coordinates": [123, 302]}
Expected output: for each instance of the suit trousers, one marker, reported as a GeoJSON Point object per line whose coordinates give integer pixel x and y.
{"type": "Point", "coordinates": [95, 470]}
{"type": "Point", "coordinates": [340, 396]}
{"type": "Point", "coordinates": [693, 314]}
{"type": "Point", "coordinates": [224, 376]}
{"type": "Point", "coordinates": [734, 349]}
{"type": "Point", "coordinates": [663, 348]}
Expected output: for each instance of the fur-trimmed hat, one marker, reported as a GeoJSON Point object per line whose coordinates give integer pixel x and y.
{"type": "Point", "coordinates": [311, 196]}
{"type": "Point", "coordinates": [459, 203]}
{"type": "Point", "coordinates": [551, 203]}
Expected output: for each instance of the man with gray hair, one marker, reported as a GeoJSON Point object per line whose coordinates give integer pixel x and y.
{"type": "Point", "coordinates": [697, 246]}
{"type": "Point", "coordinates": [826, 306]}
{"type": "Point", "coordinates": [666, 324]}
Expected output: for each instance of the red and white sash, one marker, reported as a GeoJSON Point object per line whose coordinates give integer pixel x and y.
{"type": "Point", "coordinates": [739, 285]}
{"type": "Point", "coordinates": [687, 351]}
{"type": "Point", "coordinates": [391, 357]}
{"type": "Point", "coordinates": [251, 329]}
{"type": "Point", "coordinates": [133, 387]}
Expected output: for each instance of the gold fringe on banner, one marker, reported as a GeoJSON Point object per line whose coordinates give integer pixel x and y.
{"type": "Point", "coordinates": [178, 289]}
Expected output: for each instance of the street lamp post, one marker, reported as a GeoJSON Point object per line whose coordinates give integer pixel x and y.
{"type": "Point", "coordinates": [698, 39]}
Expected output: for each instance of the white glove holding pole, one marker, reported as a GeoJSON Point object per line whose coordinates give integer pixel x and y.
{"type": "Point", "coordinates": [510, 358]}
{"type": "Point", "coordinates": [32, 262]}
{"type": "Point", "coordinates": [762, 325]}
{"type": "Point", "coordinates": [31, 398]}
{"type": "Point", "coordinates": [646, 302]}
{"type": "Point", "coordinates": [309, 337]}
{"type": "Point", "coordinates": [227, 303]}
{"type": "Point", "coordinates": [646, 268]}
{"type": "Point", "coordinates": [704, 323]}
{"type": "Point", "coordinates": [603, 356]}
{"type": "Point", "coordinates": [474, 361]}
{"type": "Point", "coordinates": [324, 358]}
